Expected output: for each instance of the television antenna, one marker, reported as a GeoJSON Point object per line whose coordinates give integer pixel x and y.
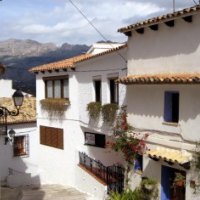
{"type": "Point", "coordinates": [174, 5]}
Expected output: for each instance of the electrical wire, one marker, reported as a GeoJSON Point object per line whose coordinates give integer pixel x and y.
{"type": "Point", "coordinates": [95, 28]}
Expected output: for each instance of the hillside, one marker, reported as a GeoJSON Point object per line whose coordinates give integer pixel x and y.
{"type": "Point", "coordinates": [20, 55]}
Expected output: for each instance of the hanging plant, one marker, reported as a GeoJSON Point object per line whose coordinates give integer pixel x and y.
{"type": "Point", "coordinates": [54, 106]}
{"type": "Point", "coordinates": [127, 142]}
{"type": "Point", "coordinates": [94, 110]}
{"type": "Point", "coordinates": [109, 112]}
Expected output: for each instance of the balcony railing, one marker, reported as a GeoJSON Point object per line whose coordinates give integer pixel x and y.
{"type": "Point", "coordinates": [113, 175]}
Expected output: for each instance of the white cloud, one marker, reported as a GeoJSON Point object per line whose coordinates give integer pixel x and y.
{"type": "Point", "coordinates": [58, 21]}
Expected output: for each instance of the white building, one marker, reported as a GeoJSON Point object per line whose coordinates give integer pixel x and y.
{"type": "Point", "coordinates": [6, 88]}
{"type": "Point", "coordinates": [64, 89]}
{"type": "Point", "coordinates": [19, 157]}
{"type": "Point", "coordinates": [163, 96]}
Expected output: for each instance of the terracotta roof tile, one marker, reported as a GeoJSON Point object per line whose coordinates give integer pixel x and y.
{"type": "Point", "coordinates": [178, 78]}
{"type": "Point", "coordinates": [27, 111]}
{"type": "Point", "coordinates": [70, 63]}
{"type": "Point", "coordinates": [62, 64]}
{"type": "Point", "coordinates": [160, 19]}
{"type": "Point", "coordinates": [169, 155]}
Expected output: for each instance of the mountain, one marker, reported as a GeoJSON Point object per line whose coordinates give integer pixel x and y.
{"type": "Point", "coordinates": [18, 56]}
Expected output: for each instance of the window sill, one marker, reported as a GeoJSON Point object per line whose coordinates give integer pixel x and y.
{"type": "Point", "coordinates": [21, 154]}
{"type": "Point", "coordinates": [171, 123]}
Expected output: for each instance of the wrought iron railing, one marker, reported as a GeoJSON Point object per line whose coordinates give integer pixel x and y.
{"type": "Point", "coordinates": [113, 175]}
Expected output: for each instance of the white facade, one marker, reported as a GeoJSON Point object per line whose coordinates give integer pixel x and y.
{"type": "Point", "coordinates": [18, 170]}
{"type": "Point", "coordinates": [61, 165]}
{"type": "Point", "coordinates": [6, 88]}
{"type": "Point", "coordinates": [166, 50]}
{"type": "Point", "coordinates": [102, 47]}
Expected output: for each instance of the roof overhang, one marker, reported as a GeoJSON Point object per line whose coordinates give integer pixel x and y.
{"type": "Point", "coordinates": [185, 14]}
{"type": "Point", "coordinates": [170, 156]}
{"type": "Point", "coordinates": [175, 78]}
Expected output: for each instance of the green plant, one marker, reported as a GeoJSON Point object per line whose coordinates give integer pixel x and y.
{"type": "Point", "coordinates": [143, 192]}
{"type": "Point", "coordinates": [94, 110]}
{"type": "Point", "coordinates": [127, 142]}
{"type": "Point", "coordinates": [109, 112]}
{"type": "Point", "coordinates": [125, 195]}
{"type": "Point", "coordinates": [179, 180]}
{"type": "Point", "coordinates": [54, 106]}
{"type": "Point", "coordinates": [148, 189]}
{"type": "Point", "coordinates": [196, 157]}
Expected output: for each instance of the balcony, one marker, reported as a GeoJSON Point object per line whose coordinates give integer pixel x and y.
{"type": "Point", "coordinates": [112, 176]}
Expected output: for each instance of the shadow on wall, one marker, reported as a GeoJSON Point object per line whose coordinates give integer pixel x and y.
{"type": "Point", "coordinates": [14, 175]}
{"type": "Point", "coordinates": [148, 100]}
{"type": "Point", "coordinates": [184, 35]}
{"type": "Point", "coordinates": [145, 100]}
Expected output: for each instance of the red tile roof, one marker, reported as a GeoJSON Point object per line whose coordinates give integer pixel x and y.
{"type": "Point", "coordinates": [161, 19]}
{"type": "Point", "coordinates": [70, 63]}
{"type": "Point", "coordinates": [178, 78]}
{"type": "Point", "coordinates": [62, 64]}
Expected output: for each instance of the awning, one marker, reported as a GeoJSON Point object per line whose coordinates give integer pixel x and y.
{"type": "Point", "coordinates": [169, 155]}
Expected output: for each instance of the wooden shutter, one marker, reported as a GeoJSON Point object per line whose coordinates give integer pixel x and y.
{"type": "Point", "coordinates": [42, 135]}
{"type": "Point", "coordinates": [60, 139]}
{"type": "Point", "coordinates": [52, 137]}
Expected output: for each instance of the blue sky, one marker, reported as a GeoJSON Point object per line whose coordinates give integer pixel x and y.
{"type": "Point", "coordinates": [58, 21]}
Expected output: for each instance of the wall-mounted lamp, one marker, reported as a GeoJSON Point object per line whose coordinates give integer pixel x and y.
{"type": "Point", "coordinates": [10, 136]}
{"type": "Point", "coordinates": [18, 99]}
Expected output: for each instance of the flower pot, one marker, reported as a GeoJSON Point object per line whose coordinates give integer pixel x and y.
{"type": "Point", "coordinates": [180, 183]}
{"type": "Point", "coordinates": [148, 187]}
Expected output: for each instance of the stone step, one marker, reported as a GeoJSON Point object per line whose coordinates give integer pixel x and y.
{"type": "Point", "coordinates": [53, 192]}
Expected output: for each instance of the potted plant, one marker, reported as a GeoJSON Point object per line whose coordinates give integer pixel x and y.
{"type": "Point", "coordinates": [55, 106]}
{"type": "Point", "coordinates": [148, 184]}
{"type": "Point", "coordinates": [94, 110]}
{"type": "Point", "coordinates": [109, 112]}
{"type": "Point", "coordinates": [179, 179]}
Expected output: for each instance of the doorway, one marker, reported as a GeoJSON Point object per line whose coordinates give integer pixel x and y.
{"type": "Point", "coordinates": [169, 190]}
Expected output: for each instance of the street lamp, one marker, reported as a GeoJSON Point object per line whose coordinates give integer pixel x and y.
{"type": "Point", "coordinates": [18, 99]}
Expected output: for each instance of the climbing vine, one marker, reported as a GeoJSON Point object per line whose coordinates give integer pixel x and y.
{"type": "Point", "coordinates": [126, 141]}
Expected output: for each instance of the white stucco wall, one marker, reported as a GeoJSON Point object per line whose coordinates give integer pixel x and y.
{"type": "Point", "coordinates": [167, 50]}
{"type": "Point", "coordinates": [146, 109]}
{"type": "Point", "coordinates": [103, 67]}
{"type": "Point", "coordinates": [22, 164]}
{"type": "Point", "coordinates": [6, 88]}
{"type": "Point", "coordinates": [60, 166]}
{"type": "Point", "coordinates": [170, 49]}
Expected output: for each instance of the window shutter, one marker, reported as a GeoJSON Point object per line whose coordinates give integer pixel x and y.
{"type": "Point", "coordinates": [60, 139]}
{"type": "Point", "coordinates": [52, 137]}
{"type": "Point", "coordinates": [42, 135]}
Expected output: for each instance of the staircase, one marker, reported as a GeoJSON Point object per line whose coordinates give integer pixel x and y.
{"type": "Point", "coordinates": [16, 178]}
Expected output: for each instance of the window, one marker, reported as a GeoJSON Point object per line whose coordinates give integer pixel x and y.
{"type": "Point", "coordinates": [114, 97]}
{"type": "Point", "coordinates": [97, 88]}
{"type": "Point", "coordinates": [21, 145]}
{"type": "Point", "coordinates": [93, 139]}
{"type": "Point", "coordinates": [171, 109]}
{"type": "Point", "coordinates": [56, 87]}
{"type": "Point", "coordinates": [138, 163]}
{"type": "Point", "coordinates": [52, 137]}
